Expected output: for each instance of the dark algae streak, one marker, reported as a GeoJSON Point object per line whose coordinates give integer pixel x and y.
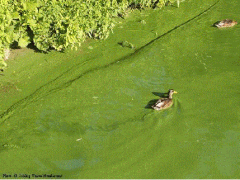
{"type": "Point", "coordinates": [38, 93]}
{"type": "Point", "coordinates": [88, 113]}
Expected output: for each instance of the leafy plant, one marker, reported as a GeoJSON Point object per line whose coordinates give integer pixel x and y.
{"type": "Point", "coordinates": [59, 24]}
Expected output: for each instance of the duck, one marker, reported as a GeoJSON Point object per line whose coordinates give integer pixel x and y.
{"type": "Point", "coordinates": [225, 23]}
{"type": "Point", "coordinates": [164, 103]}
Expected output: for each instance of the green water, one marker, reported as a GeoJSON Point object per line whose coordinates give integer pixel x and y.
{"type": "Point", "coordinates": [83, 113]}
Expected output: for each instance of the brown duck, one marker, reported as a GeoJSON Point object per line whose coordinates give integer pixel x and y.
{"type": "Point", "coordinates": [164, 103]}
{"type": "Point", "coordinates": [225, 23]}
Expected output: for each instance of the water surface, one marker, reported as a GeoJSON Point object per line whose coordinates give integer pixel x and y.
{"type": "Point", "coordinates": [83, 114]}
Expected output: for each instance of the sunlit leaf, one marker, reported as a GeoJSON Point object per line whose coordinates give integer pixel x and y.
{"type": "Point", "coordinates": [23, 42]}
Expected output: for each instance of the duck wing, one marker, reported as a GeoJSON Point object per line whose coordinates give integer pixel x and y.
{"type": "Point", "coordinates": [162, 103]}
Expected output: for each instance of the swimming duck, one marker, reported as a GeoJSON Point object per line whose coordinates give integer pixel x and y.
{"type": "Point", "coordinates": [164, 103]}
{"type": "Point", "coordinates": [225, 23]}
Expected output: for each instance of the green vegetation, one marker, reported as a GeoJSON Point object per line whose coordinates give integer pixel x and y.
{"type": "Point", "coordinates": [59, 24]}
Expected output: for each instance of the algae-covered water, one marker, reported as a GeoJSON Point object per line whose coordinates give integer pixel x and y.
{"type": "Point", "coordinates": [84, 114]}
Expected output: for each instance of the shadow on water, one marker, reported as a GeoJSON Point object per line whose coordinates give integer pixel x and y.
{"type": "Point", "coordinates": [23, 102]}
{"type": "Point", "coordinates": [153, 101]}
{"type": "Point", "coordinates": [214, 24]}
{"type": "Point", "coordinates": [1, 70]}
{"type": "Point", "coordinates": [33, 47]}
{"type": "Point", "coordinates": [162, 95]}
{"type": "Point", "coordinates": [150, 104]}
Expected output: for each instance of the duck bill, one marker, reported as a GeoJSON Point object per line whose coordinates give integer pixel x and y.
{"type": "Point", "coordinates": [175, 92]}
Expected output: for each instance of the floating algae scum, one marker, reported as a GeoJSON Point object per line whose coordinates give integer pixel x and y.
{"type": "Point", "coordinates": [82, 113]}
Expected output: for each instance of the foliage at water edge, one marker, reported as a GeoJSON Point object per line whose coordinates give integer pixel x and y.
{"type": "Point", "coordinates": [59, 24]}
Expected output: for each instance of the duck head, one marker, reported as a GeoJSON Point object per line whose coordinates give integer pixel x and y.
{"type": "Point", "coordinates": [171, 92]}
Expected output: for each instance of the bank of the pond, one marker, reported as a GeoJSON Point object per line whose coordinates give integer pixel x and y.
{"type": "Point", "coordinates": [60, 24]}
{"type": "Point", "coordinates": [82, 114]}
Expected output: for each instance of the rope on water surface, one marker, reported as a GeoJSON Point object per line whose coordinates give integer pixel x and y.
{"type": "Point", "coordinates": [32, 97]}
